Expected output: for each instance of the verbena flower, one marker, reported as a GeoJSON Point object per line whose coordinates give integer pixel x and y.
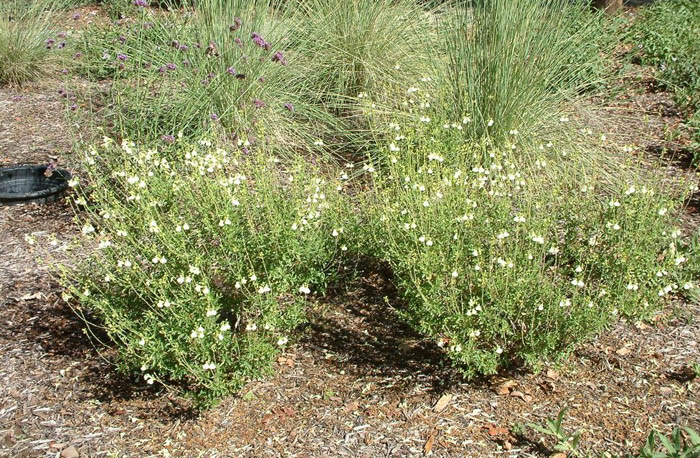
{"type": "Point", "coordinates": [278, 57]}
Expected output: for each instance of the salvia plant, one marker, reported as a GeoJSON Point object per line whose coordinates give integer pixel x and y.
{"type": "Point", "coordinates": [201, 259]}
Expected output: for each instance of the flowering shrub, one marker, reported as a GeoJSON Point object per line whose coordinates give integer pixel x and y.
{"type": "Point", "coordinates": [504, 262]}
{"type": "Point", "coordinates": [201, 258]}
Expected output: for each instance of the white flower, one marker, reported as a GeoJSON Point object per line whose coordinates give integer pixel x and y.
{"type": "Point", "coordinates": [424, 119]}
{"type": "Point", "coordinates": [88, 228]}
{"type": "Point", "coordinates": [251, 327]}
{"type": "Point", "coordinates": [454, 274]}
{"type": "Point", "coordinates": [499, 350]}
{"type": "Point", "coordinates": [264, 289]}
{"type": "Point", "coordinates": [577, 283]}
{"type": "Point", "coordinates": [688, 285]}
{"type": "Point", "coordinates": [253, 277]}
{"type": "Point", "coordinates": [519, 219]}
{"type": "Point", "coordinates": [318, 142]}
{"type": "Point", "coordinates": [662, 211]}
{"type": "Point", "coordinates": [632, 286]}
{"type": "Point", "coordinates": [235, 202]}
{"type": "Point", "coordinates": [209, 366]}
{"type": "Point", "coordinates": [194, 270]}
{"type": "Point", "coordinates": [211, 312]}
{"type": "Point", "coordinates": [565, 302]}
{"type": "Point", "coordinates": [393, 147]}
{"type": "Point", "coordinates": [225, 326]}
{"type": "Point", "coordinates": [282, 341]}
{"type": "Point", "coordinates": [537, 239]}
{"type": "Point", "coordinates": [429, 243]}
{"type": "Point", "coordinates": [344, 248]}
{"type": "Point", "coordinates": [335, 233]}
{"type": "Point", "coordinates": [304, 290]}
{"type": "Point", "coordinates": [553, 250]}
{"type": "Point", "coordinates": [490, 123]}
{"type": "Point", "coordinates": [502, 235]}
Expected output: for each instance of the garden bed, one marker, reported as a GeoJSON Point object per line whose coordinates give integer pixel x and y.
{"type": "Point", "coordinates": [357, 383]}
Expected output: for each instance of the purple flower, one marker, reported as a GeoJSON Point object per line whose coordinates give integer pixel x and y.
{"type": "Point", "coordinates": [168, 138]}
{"type": "Point", "coordinates": [64, 71]}
{"type": "Point", "coordinates": [258, 40]}
{"type": "Point", "coordinates": [171, 66]}
{"type": "Point", "coordinates": [105, 56]}
{"type": "Point", "coordinates": [214, 117]}
{"type": "Point", "coordinates": [231, 71]}
{"type": "Point", "coordinates": [122, 39]}
{"type": "Point", "coordinates": [50, 42]}
{"type": "Point", "coordinates": [236, 24]}
{"type": "Point", "coordinates": [258, 103]}
{"type": "Point", "coordinates": [74, 107]}
{"type": "Point", "coordinates": [238, 41]}
{"type": "Point", "coordinates": [78, 55]}
{"type": "Point", "coordinates": [140, 3]}
{"type": "Point", "coordinates": [146, 65]}
{"type": "Point", "coordinates": [261, 79]}
{"type": "Point", "coordinates": [183, 48]}
{"type": "Point", "coordinates": [175, 44]}
{"type": "Point", "coordinates": [278, 57]}
{"type": "Point", "coordinates": [289, 106]}
{"type": "Point", "coordinates": [76, 16]}
{"type": "Point", "coordinates": [162, 69]}
{"type": "Point", "coordinates": [121, 57]}
{"type": "Point", "coordinates": [61, 45]}
{"type": "Point", "coordinates": [245, 150]}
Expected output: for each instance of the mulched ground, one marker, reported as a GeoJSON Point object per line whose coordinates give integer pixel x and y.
{"type": "Point", "coordinates": [358, 383]}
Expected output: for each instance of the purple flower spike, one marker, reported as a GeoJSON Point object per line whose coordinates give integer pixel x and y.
{"type": "Point", "coordinates": [162, 69]}
{"type": "Point", "coordinates": [278, 57]}
{"type": "Point", "coordinates": [258, 103]}
{"type": "Point", "coordinates": [168, 138]}
{"type": "Point", "coordinates": [231, 71]}
{"type": "Point", "coordinates": [175, 44]}
{"type": "Point", "coordinates": [76, 16]}
{"type": "Point", "coordinates": [122, 39]}
{"type": "Point", "coordinates": [140, 3]}
{"type": "Point", "coordinates": [78, 55]}
{"type": "Point", "coordinates": [64, 71]}
{"type": "Point", "coordinates": [289, 106]}
{"type": "Point", "coordinates": [183, 48]}
{"type": "Point", "coordinates": [245, 150]}
{"type": "Point", "coordinates": [50, 41]}
{"type": "Point", "coordinates": [171, 66]}
{"type": "Point", "coordinates": [74, 107]}
{"type": "Point", "coordinates": [237, 22]}
{"type": "Point", "coordinates": [214, 117]}
{"type": "Point", "coordinates": [258, 40]}
{"type": "Point", "coordinates": [261, 79]}
{"type": "Point", "coordinates": [61, 45]}
{"type": "Point", "coordinates": [122, 57]}
{"type": "Point", "coordinates": [238, 41]}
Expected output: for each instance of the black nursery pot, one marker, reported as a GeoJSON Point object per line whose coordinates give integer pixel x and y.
{"type": "Point", "coordinates": [30, 184]}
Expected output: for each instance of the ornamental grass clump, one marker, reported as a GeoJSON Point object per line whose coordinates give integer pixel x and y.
{"type": "Point", "coordinates": [354, 47]}
{"type": "Point", "coordinates": [201, 259]}
{"type": "Point", "coordinates": [28, 40]}
{"type": "Point", "coordinates": [224, 68]}
{"type": "Point", "coordinates": [504, 263]}
{"type": "Point", "coordinates": [511, 64]}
